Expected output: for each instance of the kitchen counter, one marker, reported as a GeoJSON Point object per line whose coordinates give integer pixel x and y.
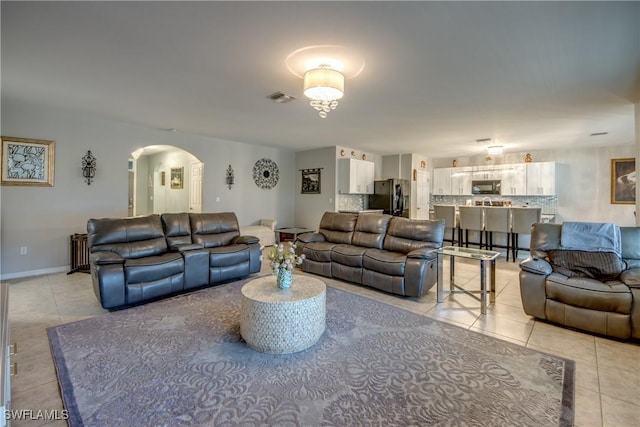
{"type": "Point", "coordinates": [378, 211]}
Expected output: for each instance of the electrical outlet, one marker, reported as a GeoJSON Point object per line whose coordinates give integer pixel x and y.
{"type": "Point", "coordinates": [23, 250]}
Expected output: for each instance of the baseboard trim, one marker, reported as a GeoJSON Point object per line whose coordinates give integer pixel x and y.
{"type": "Point", "coordinates": [23, 274]}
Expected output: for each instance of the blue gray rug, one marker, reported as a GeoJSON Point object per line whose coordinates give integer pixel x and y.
{"type": "Point", "coordinates": [182, 362]}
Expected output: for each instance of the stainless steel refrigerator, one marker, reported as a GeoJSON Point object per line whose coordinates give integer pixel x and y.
{"type": "Point", "coordinates": [392, 196]}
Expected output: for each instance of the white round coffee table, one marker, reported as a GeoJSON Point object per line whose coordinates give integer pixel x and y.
{"type": "Point", "coordinates": [281, 321]}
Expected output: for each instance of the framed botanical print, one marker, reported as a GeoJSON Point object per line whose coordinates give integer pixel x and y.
{"type": "Point", "coordinates": [623, 181]}
{"type": "Point", "coordinates": [310, 181]}
{"type": "Point", "coordinates": [177, 178]}
{"type": "Point", "coordinates": [27, 162]}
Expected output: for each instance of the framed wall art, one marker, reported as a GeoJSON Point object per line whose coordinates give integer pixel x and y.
{"type": "Point", "coordinates": [28, 162]}
{"type": "Point", "coordinates": [310, 181]}
{"type": "Point", "coordinates": [623, 181]}
{"type": "Point", "coordinates": [177, 178]}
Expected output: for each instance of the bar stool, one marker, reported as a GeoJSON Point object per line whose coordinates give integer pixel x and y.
{"type": "Point", "coordinates": [448, 213]}
{"type": "Point", "coordinates": [521, 221]}
{"type": "Point", "coordinates": [471, 219]}
{"type": "Point", "coordinates": [498, 220]}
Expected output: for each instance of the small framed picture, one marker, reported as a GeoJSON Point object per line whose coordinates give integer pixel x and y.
{"type": "Point", "coordinates": [27, 162]}
{"type": "Point", "coordinates": [310, 181]}
{"type": "Point", "coordinates": [623, 181]}
{"type": "Point", "coordinates": [177, 178]}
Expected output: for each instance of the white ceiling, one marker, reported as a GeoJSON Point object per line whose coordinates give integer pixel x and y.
{"type": "Point", "coordinates": [438, 76]}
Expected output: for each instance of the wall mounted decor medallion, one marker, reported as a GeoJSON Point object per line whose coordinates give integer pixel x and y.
{"type": "Point", "coordinates": [265, 174]}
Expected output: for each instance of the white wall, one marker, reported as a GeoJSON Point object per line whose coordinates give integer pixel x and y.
{"type": "Point", "coordinates": [42, 218]}
{"type": "Point", "coordinates": [583, 181]}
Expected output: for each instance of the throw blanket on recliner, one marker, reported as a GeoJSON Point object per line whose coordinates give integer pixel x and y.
{"type": "Point", "coordinates": [591, 237]}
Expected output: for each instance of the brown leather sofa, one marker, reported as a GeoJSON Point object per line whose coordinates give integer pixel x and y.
{"type": "Point", "coordinates": [385, 252]}
{"type": "Point", "coordinates": [138, 259]}
{"type": "Point", "coordinates": [559, 286]}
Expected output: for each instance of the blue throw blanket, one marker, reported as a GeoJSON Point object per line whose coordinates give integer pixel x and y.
{"type": "Point", "coordinates": [591, 237]}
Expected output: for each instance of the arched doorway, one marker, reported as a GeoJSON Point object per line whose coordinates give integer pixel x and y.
{"type": "Point", "coordinates": [164, 178]}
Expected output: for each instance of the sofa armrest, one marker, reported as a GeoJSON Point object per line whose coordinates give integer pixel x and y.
{"type": "Point", "coordinates": [247, 240]}
{"type": "Point", "coordinates": [186, 247]}
{"type": "Point", "coordinates": [536, 265]}
{"type": "Point", "coordinates": [269, 223]}
{"type": "Point", "coordinates": [309, 237]}
{"type": "Point", "coordinates": [422, 253]}
{"type": "Point", "coordinates": [631, 277]}
{"type": "Point", "coordinates": [105, 258]}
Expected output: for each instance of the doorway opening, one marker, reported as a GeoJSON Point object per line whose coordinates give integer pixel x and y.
{"type": "Point", "coordinates": [164, 179]}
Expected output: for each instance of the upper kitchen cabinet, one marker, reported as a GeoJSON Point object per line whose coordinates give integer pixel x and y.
{"type": "Point", "coordinates": [355, 176]}
{"type": "Point", "coordinates": [396, 166]}
{"type": "Point", "coordinates": [461, 180]}
{"type": "Point", "coordinates": [441, 181]}
{"type": "Point", "coordinates": [541, 178]}
{"type": "Point", "coordinates": [514, 180]}
{"type": "Point", "coordinates": [487, 173]}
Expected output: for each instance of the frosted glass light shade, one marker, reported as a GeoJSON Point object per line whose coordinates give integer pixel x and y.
{"type": "Point", "coordinates": [494, 149]}
{"type": "Point", "coordinates": [324, 84]}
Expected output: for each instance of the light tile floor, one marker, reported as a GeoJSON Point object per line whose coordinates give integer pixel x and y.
{"type": "Point", "coordinates": [607, 371]}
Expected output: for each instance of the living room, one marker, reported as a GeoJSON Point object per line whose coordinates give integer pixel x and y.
{"type": "Point", "coordinates": [100, 108]}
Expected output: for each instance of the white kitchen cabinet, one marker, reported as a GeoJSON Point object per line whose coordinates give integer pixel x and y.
{"type": "Point", "coordinates": [355, 176]}
{"type": "Point", "coordinates": [487, 173]}
{"type": "Point", "coordinates": [441, 181]}
{"type": "Point", "coordinates": [461, 180]}
{"type": "Point", "coordinates": [541, 178]}
{"type": "Point", "coordinates": [514, 180]}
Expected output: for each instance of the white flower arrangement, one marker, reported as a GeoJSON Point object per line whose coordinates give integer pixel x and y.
{"type": "Point", "coordinates": [282, 258]}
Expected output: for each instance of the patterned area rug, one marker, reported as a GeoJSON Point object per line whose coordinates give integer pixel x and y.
{"type": "Point", "coordinates": [182, 362]}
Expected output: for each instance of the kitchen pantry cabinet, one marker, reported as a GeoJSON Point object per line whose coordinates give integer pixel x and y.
{"type": "Point", "coordinates": [541, 178]}
{"type": "Point", "coordinates": [355, 176]}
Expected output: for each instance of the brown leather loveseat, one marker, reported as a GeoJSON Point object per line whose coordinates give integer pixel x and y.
{"type": "Point", "coordinates": [138, 259]}
{"type": "Point", "coordinates": [392, 254]}
{"type": "Point", "coordinates": [594, 288]}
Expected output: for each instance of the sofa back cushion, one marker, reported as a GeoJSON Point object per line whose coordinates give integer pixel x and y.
{"type": "Point", "coordinates": [630, 237]}
{"type": "Point", "coordinates": [370, 230]}
{"type": "Point", "coordinates": [544, 238]}
{"type": "Point", "coordinates": [405, 235]}
{"type": "Point", "coordinates": [177, 229]}
{"type": "Point", "coordinates": [128, 237]}
{"type": "Point", "coordinates": [338, 227]}
{"type": "Point", "coordinates": [214, 229]}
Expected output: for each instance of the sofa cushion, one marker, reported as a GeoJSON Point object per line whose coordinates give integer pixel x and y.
{"type": "Point", "coordinates": [630, 237]}
{"type": "Point", "coordinates": [224, 256]}
{"type": "Point", "coordinates": [370, 230]}
{"type": "Point", "coordinates": [177, 229]}
{"type": "Point", "coordinates": [153, 268]}
{"type": "Point", "coordinates": [348, 255]}
{"type": "Point", "coordinates": [386, 262]}
{"type": "Point", "coordinates": [337, 227]}
{"type": "Point", "coordinates": [318, 251]}
{"type": "Point", "coordinates": [128, 237]}
{"type": "Point", "coordinates": [595, 265]}
{"type": "Point", "coordinates": [214, 229]}
{"type": "Point", "coordinates": [405, 235]}
{"type": "Point", "coordinates": [590, 293]}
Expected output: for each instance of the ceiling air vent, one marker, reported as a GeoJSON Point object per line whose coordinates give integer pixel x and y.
{"type": "Point", "coordinates": [280, 97]}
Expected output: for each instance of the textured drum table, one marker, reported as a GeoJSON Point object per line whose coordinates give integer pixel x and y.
{"type": "Point", "coordinates": [280, 321]}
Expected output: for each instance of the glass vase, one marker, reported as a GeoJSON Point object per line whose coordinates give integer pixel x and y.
{"type": "Point", "coordinates": [284, 278]}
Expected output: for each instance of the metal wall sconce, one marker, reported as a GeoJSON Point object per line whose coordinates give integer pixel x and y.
{"type": "Point", "coordinates": [229, 179]}
{"type": "Point", "coordinates": [88, 167]}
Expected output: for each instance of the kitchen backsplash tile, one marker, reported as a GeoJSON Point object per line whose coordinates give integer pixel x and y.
{"type": "Point", "coordinates": [549, 204]}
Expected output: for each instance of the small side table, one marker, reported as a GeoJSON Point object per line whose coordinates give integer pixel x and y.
{"type": "Point", "coordinates": [469, 253]}
{"type": "Point", "coordinates": [282, 321]}
{"type": "Point", "coordinates": [289, 234]}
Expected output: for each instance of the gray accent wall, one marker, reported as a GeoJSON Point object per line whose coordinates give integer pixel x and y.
{"type": "Point", "coordinates": [42, 218]}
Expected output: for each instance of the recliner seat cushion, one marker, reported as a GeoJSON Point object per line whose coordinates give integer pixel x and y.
{"type": "Point", "coordinates": [225, 256]}
{"type": "Point", "coordinates": [318, 251]}
{"type": "Point", "coordinates": [590, 293]}
{"type": "Point", "coordinates": [348, 255]}
{"type": "Point", "coordinates": [386, 262]}
{"type": "Point", "coordinates": [152, 268]}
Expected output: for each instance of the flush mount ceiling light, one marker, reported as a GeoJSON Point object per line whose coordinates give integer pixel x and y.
{"type": "Point", "coordinates": [324, 69]}
{"type": "Point", "coordinates": [494, 149]}
{"type": "Point", "coordinates": [324, 86]}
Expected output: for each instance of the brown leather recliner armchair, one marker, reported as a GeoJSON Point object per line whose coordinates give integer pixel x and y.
{"type": "Point", "coordinates": [569, 288]}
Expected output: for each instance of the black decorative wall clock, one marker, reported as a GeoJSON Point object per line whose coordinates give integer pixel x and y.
{"type": "Point", "coordinates": [265, 174]}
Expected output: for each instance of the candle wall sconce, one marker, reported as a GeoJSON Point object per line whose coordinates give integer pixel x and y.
{"type": "Point", "coordinates": [88, 167]}
{"type": "Point", "coordinates": [229, 179]}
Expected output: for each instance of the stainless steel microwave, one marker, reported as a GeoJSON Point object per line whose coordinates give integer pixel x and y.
{"type": "Point", "coordinates": [486, 187]}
